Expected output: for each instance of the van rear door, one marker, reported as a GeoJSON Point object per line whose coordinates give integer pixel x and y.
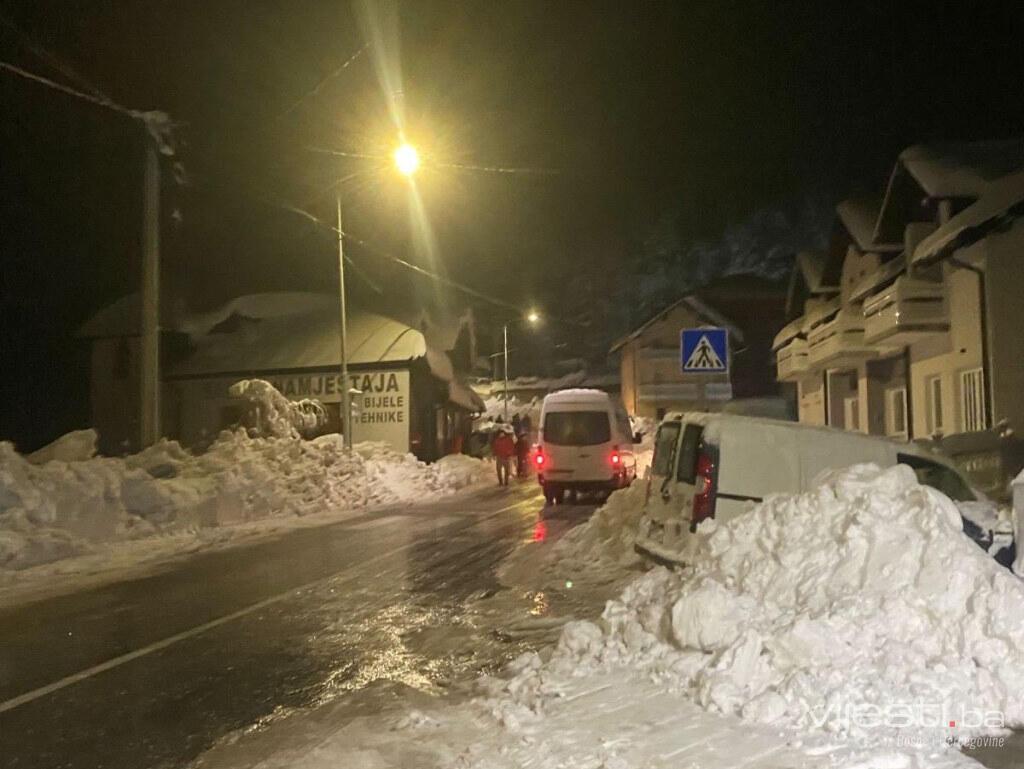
{"type": "Point", "coordinates": [671, 489]}
{"type": "Point", "coordinates": [577, 443]}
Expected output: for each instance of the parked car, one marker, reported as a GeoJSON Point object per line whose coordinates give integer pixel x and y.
{"type": "Point", "coordinates": [717, 465]}
{"type": "Point", "coordinates": [585, 444]}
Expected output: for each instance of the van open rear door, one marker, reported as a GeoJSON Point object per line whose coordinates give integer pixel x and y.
{"type": "Point", "coordinates": [680, 492]}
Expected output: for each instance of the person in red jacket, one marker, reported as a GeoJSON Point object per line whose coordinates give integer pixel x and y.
{"type": "Point", "coordinates": [504, 448]}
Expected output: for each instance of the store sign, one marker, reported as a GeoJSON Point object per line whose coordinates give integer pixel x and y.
{"type": "Point", "coordinates": [380, 408]}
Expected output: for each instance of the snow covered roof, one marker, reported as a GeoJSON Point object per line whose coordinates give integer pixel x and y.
{"type": "Point", "coordinates": [944, 171]}
{"type": "Point", "coordinates": [886, 273]}
{"type": "Point", "coordinates": [282, 331]}
{"type": "Point", "coordinates": [859, 216]}
{"type": "Point", "coordinates": [119, 318]}
{"type": "Point", "coordinates": [1003, 200]}
{"type": "Point", "coordinates": [790, 331]}
{"type": "Point", "coordinates": [811, 266]}
{"type": "Point", "coordinates": [703, 310]}
{"type": "Point", "coordinates": [464, 395]}
{"type": "Point", "coordinates": [962, 170]}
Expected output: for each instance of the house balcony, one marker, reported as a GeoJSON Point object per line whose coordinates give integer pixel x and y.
{"type": "Point", "coordinates": [791, 361]}
{"type": "Point", "coordinates": [905, 312]}
{"type": "Point", "coordinates": [838, 342]}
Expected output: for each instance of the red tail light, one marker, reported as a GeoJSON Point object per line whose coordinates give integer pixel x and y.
{"type": "Point", "coordinates": [704, 494]}
{"type": "Point", "coordinates": [539, 459]}
{"type": "Point", "coordinates": [615, 458]}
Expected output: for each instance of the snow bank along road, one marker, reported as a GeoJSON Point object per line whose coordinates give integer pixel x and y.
{"type": "Point", "coordinates": [151, 671]}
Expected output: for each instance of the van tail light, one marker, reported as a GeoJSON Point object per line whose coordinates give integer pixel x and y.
{"type": "Point", "coordinates": [615, 458]}
{"type": "Point", "coordinates": [704, 491]}
{"type": "Point", "coordinates": [539, 459]}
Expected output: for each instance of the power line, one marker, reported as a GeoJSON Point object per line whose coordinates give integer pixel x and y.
{"type": "Point", "coordinates": [158, 124]}
{"type": "Point", "coordinates": [399, 261]}
{"type": "Point", "coordinates": [316, 89]}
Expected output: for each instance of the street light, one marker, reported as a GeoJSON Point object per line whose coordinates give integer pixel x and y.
{"type": "Point", "coordinates": [407, 160]}
{"type": "Point", "coordinates": [534, 318]}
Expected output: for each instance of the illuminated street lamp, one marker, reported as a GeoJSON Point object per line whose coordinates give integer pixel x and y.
{"type": "Point", "coordinates": [534, 318]}
{"type": "Point", "coordinates": [407, 160]}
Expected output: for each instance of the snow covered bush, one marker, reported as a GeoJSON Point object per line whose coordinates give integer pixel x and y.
{"type": "Point", "coordinates": [272, 415]}
{"type": "Point", "coordinates": [858, 607]}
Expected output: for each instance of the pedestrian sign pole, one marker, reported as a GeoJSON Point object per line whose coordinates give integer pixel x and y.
{"type": "Point", "coordinates": [704, 350]}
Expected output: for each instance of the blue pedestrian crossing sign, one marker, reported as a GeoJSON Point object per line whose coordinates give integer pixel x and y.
{"type": "Point", "coordinates": [704, 350]}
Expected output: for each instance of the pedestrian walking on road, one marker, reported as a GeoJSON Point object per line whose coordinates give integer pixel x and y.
{"type": "Point", "coordinates": [504, 448]}
{"type": "Point", "coordinates": [522, 454]}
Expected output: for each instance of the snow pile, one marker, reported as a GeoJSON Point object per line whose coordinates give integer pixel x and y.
{"type": "Point", "coordinates": [495, 408]}
{"type": "Point", "coordinates": [858, 608]}
{"type": "Point", "coordinates": [607, 538]}
{"type": "Point", "coordinates": [274, 416]}
{"type": "Point", "coordinates": [60, 509]}
{"type": "Point", "coordinates": [71, 447]}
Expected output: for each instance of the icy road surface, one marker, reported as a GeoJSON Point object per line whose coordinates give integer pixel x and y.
{"type": "Point", "coordinates": [153, 671]}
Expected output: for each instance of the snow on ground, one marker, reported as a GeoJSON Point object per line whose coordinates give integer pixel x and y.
{"type": "Point", "coordinates": [858, 609]}
{"type": "Point", "coordinates": [851, 626]}
{"type": "Point", "coordinates": [605, 541]}
{"type": "Point", "coordinates": [167, 497]}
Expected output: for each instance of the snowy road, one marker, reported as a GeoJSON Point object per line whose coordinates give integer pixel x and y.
{"type": "Point", "coordinates": [150, 672]}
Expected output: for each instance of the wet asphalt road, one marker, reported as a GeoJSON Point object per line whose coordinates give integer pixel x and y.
{"type": "Point", "coordinates": [150, 672]}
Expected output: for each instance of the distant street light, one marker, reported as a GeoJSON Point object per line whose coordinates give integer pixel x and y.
{"type": "Point", "coordinates": [407, 160]}
{"type": "Point", "coordinates": [534, 318]}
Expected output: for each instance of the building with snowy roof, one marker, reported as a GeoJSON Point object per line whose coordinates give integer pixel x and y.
{"type": "Point", "coordinates": [914, 331]}
{"type": "Point", "coordinates": [653, 382]}
{"type": "Point", "coordinates": [406, 380]}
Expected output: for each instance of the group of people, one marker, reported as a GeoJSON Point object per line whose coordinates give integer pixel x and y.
{"type": "Point", "coordinates": [511, 440]}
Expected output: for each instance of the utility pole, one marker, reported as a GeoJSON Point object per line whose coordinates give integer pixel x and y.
{"type": "Point", "coordinates": [505, 335]}
{"type": "Point", "coordinates": [149, 373]}
{"type": "Point", "coordinates": [346, 401]}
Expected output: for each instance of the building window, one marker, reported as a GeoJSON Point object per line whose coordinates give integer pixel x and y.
{"type": "Point", "coordinates": [851, 412]}
{"type": "Point", "coordinates": [896, 412]}
{"type": "Point", "coordinates": [972, 399]}
{"type": "Point", "coordinates": [933, 388]}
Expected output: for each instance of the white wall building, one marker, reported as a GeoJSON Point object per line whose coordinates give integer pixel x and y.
{"type": "Point", "coordinates": [410, 393]}
{"type": "Point", "coordinates": [911, 331]}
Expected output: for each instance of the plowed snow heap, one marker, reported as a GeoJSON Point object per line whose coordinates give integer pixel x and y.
{"type": "Point", "coordinates": [859, 607]}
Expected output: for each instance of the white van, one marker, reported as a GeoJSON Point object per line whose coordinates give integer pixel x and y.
{"type": "Point", "coordinates": [718, 465]}
{"type": "Point", "coordinates": [585, 443]}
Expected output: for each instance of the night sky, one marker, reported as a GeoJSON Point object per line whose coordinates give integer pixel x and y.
{"type": "Point", "coordinates": [612, 116]}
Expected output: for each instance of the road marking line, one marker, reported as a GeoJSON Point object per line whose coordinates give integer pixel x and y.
{"type": "Point", "coordinates": [143, 651]}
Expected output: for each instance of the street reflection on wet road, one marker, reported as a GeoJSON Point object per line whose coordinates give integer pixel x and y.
{"type": "Point", "coordinates": [428, 613]}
